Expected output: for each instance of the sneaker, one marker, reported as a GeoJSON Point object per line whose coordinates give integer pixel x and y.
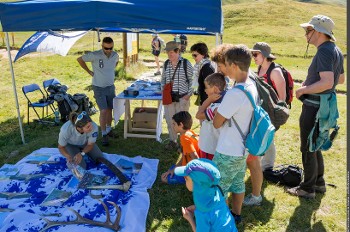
{"type": "Point", "coordinates": [238, 218]}
{"type": "Point", "coordinates": [105, 140]}
{"type": "Point", "coordinates": [252, 200]}
{"type": "Point", "coordinates": [157, 73]}
{"type": "Point", "coordinates": [112, 134]}
{"type": "Point", "coordinates": [320, 189]}
{"type": "Point", "coordinates": [297, 191]}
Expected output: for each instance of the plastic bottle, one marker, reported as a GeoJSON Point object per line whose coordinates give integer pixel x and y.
{"type": "Point", "coordinates": [77, 170]}
{"type": "Point", "coordinates": [57, 116]}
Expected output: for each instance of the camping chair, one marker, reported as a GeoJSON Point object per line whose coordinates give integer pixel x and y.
{"type": "Point", "coordinates": [46, 84]}
{"type": "Point", "coordinates": [41, 102]}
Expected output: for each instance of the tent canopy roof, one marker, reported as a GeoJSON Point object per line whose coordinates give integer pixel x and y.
{"type": "Point", "coordinates": [187, 16]}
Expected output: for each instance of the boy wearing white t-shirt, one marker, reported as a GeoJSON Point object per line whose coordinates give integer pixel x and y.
{"type": "Point", "coordinates": [215, 85]}
{"type": "Point", "coordinates": [230, 155]}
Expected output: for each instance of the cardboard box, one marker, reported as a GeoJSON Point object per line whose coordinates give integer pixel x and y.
{"type": "Point", "coordinates": [144, 117]}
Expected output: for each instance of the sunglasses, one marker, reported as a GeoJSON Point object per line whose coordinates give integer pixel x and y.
{"type": "Point", "coordinates": [80, 117]}
{"type": "Point", "coordinates": [255, 54]}
{"type": "Point", "coordinates": [308, 31]}
{"type": "Point", "coordinates": [111, 48]}
{"type": "Point", "coordinates": [194, 55]}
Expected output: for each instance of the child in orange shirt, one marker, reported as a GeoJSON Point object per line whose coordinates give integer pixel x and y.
{"type": "Point", "coordinates": [182, 123]}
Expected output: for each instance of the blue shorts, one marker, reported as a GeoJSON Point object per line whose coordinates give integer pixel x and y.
{"type": "Point", "coordinates": [232, 170]}
{"type": "Point", "coordinates": [104, 96]}
{"type": "Point", "coordinates": [175, 179]}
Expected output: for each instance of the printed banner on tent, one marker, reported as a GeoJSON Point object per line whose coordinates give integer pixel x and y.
{"type": "Point", "coordinates": [49, 41]}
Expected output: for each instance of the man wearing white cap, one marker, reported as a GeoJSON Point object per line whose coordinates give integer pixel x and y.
{"type": "Point", "coordinates": [325, 72]}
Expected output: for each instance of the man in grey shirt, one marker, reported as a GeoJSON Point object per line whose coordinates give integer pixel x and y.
{"type": "Point", "coordinates": [103, 63]}
{"type": "Point", "coordinates": [325, 72]}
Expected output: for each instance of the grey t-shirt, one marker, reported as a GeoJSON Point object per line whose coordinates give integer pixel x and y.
{"type": "Point", "coordinates": [102, 66]}
{"type": "Point", "coordinates": [328, 58]}
{"type": "Point", "coordinates": [69, 134]}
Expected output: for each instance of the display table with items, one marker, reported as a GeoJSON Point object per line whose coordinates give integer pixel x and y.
{"type": "Point", "coordinates": [142, 122]}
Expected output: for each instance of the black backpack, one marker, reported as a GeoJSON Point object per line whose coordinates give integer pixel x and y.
{"type": "Point", "coordinates": [278, 110]}
{"type": "Point", "coordinates": [285, 174]}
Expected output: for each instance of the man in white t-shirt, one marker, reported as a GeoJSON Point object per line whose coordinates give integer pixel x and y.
{"type": "Point", "coordinates": [230, 155]}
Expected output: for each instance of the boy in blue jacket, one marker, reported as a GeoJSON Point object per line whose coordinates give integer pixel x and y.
{"type": "Point", "coordinates": [210, 209]}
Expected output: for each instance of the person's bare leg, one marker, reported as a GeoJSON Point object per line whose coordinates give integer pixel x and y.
{"type": "Point", "coordinates": [237, 201]}
{"type": "Point", "coordinates": [103, 120]}
{"type": "Point", "coordinates": [157, 63]}
{"type": "Point", "coordinates": [256, 176]}
{"type": "Point", "coordinates": [108, 117]}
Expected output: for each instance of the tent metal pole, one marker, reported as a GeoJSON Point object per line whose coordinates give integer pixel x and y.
{"type": "Point", "coordinates": [14, 86]}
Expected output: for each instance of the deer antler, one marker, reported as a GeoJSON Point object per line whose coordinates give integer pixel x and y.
{"type": "Point", "coordinates": [81, 220]}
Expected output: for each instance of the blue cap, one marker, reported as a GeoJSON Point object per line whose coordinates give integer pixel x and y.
{"type": "Point", "coordinates": [202, 171]}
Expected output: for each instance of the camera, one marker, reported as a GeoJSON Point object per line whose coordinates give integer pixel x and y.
{"type": "Point", "coordinates": [175, 97]}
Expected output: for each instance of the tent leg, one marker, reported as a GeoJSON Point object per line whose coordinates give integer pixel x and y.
{"type": "Point", "coordinates": [14, 86]}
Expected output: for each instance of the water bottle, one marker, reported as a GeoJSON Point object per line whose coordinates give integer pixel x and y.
{"type": "Point", "coordinates": [77, 170]}
{"type": "Point", "coordinates": [57, 116]}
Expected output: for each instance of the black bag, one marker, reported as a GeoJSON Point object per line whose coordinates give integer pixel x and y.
{"type": "Point", "coordinates": [82, 101]}
{"type": "Point", "coordinates": [285, 174]}
{"type": "Point", "coordinates": [277, 110]}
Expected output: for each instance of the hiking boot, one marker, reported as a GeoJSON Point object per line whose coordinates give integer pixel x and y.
{"type": "Point", "coordinates": [238, 218]}
{"type": "Point", "coordinates": [112, 135]}
{"type": "Point", "coordinates": [105, 140]}
{"type": "Point", "coordinates": [157, 73]}
{"type": "Point", "coordinates": [297, 191]}
{"type": "Point", "coordinates": [320, 189]}
{"type": "Point", "coordinates": [252, 200]}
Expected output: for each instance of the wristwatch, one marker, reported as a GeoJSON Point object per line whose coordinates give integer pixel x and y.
{"type": "Point", "coordinates": [82, 153]}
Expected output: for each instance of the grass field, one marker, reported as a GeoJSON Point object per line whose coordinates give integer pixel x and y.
{"type": "Point", "coordinates": [276, 22]}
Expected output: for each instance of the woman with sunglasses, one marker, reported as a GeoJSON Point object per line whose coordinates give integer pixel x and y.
{"type": "Point", "coordinates": [77, 137]}
{"type": "Point", "coordinates": [264, 59]}
{"type": "Point", "coordinates": [201, 69]}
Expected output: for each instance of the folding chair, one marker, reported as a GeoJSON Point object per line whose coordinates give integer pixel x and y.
{"type": "Point", "coordinates": [41, 100]}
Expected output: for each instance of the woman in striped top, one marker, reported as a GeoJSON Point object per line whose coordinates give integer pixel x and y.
{"type": "Point", "coordinates": [179, 71]}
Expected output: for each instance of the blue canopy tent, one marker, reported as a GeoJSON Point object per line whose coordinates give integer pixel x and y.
{"type": "Point", "coordinates": [152, 16]}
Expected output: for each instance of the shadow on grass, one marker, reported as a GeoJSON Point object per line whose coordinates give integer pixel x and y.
{"type": "Point", "coordinates": [36, 136]}
{"type": "Point", "coordinates": [304, 214]}
{"type": "Point", "coordinates": [256, 215]}
{"type": "Point", "coordinates": [165, 200]}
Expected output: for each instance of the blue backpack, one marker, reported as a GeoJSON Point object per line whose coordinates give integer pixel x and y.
{"type": "Point", "coordinates": [261, 131]}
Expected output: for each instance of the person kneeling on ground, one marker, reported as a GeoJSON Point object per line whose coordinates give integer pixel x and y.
{"type": "Point", "coordinates": [77, 137]}
{"type": "Point", "coordinates": [210, 209]}
{"type": "Point", "coordinates": [182, 123]}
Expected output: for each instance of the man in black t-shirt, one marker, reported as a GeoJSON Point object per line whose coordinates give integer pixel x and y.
{"type": "Point", "coordinates": [325, 72]}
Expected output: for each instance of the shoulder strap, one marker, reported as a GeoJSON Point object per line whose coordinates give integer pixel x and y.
{"type": "Point", "coordinates": [248, 95]}
{"type": "Point", "coordinates": [166, 64]}
{"type": "Point", "coordinates": [253, 104]}
{"type": "Point", "coordinates": [268, 72]}
{"type": "Point", "coordinates": [185, 69]}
